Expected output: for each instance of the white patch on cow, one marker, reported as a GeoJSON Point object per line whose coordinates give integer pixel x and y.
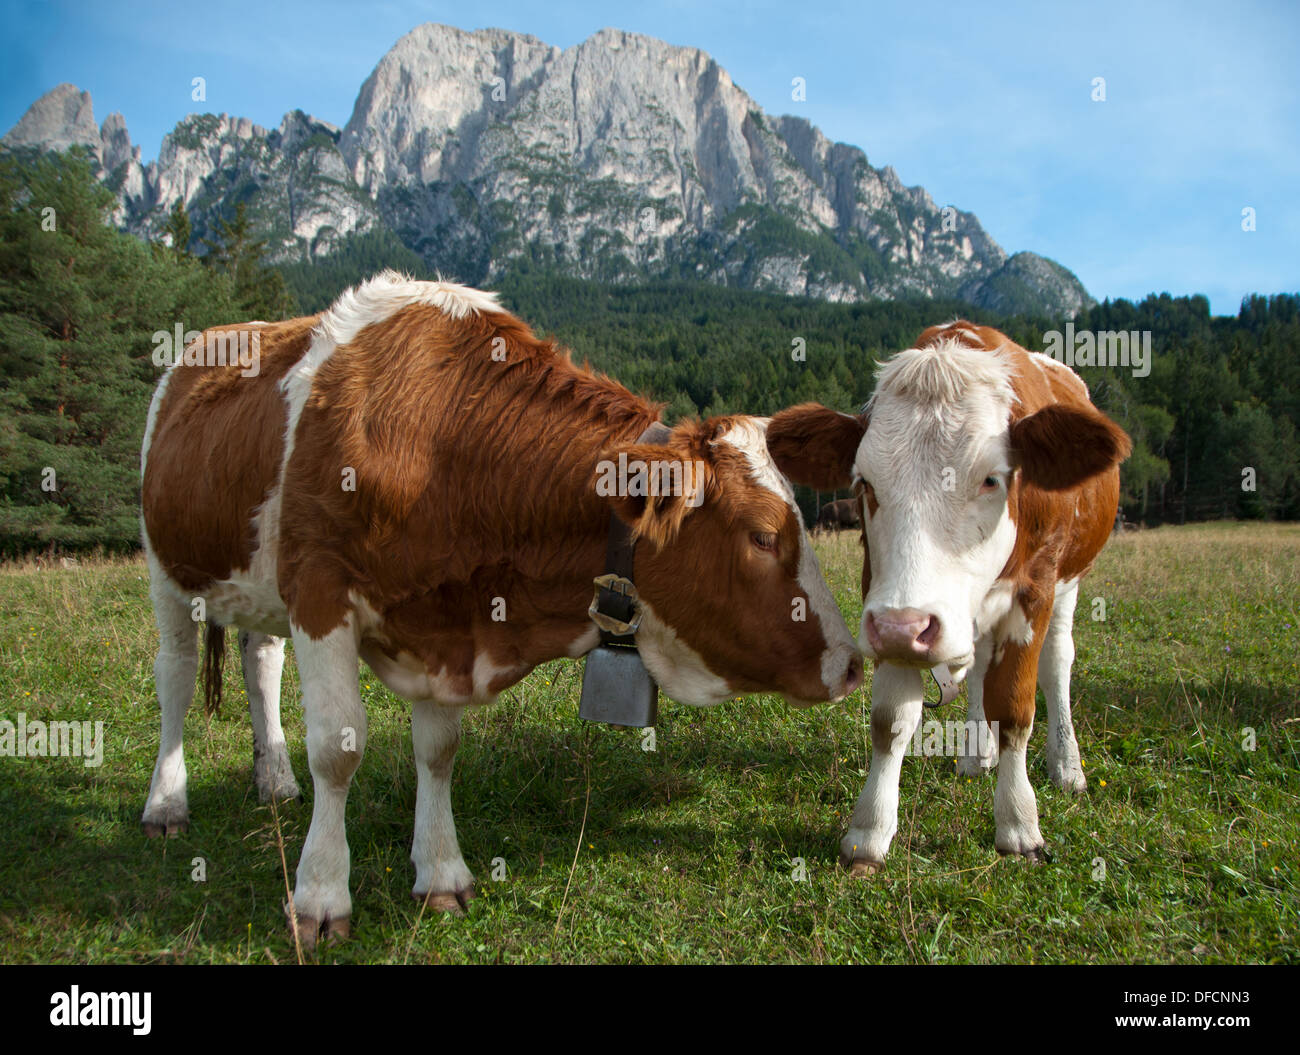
{"type": "Point", "coordinates": [367, 619]}
{"type": "Point", "coordinates": [435, 852]}
{"type": "Point", "coordinates": [485, 672]}
{"type": "Point", "coordinates": [938, 426]}
{"type": "Point", "coordinates": [1042, 360]}
{"type": "Point", "coordinates": [995, 608]}
{"type": "Point", "coordinates": [296, 386]}
{"type": "Point", "coordinates": [1016, 627]}
{"type": "Point", "coordinates": [336, 741]}
{"type": "Point", "coordinates": [1054, 664]}
{"type": "Point", "coordinates": [174, 668]}
{"type": "Point", "coordinates": [250, 597]}
{"type": "Point", "coordinates": [1015, 809]}
{"type": "Point", "coordinates": [947, 372]}
{"type": "Point", "coordinates": [896, 694]}
{"type": "Point", "coordinates": [410, 677]}
{"type": "Point", "coordinates": [381, 297]}
{"type": "Point", "coordinates": [439, 684]}
{"type": "Point", "coordinates": [262, 660]}
{"type": "Point", "coordinates": [680, 671]}
{"type": "Point", "coordinates": [749, 436]}
{"type": "Point", "coordinates": [151, 421]}
{"type": "Point", "coordinates": [584, 643]}
{"type": "Point", "coordinates": [402, 674]}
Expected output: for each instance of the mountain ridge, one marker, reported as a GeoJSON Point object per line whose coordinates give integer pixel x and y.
{"type": "Point", "coordinates": [617, 159]}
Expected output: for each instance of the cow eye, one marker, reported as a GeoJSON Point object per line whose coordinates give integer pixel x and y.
{"type": "Point", "coordinates": [989, 485]}
{"type": "Point", "coordinates": [764, 540]}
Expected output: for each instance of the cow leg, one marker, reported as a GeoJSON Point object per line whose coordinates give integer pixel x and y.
{"type": "Point", "coordinates": [441, 877]}
{"type": "Point", "coordinates": [895, 711]}
{"type": "Point", "coordinates": [336, 740]}
{"type": "Point", "coordinates": [262, 657]}
{"type": "Point", "coordinates": [1054, 665]}
{"type": "Point", "coordinates": [166, 810]}
{"type": "Point", "coordinates": [1009, 702]}
{"type": "Point", "coordinates": [982, 753]}
{"type": "Point", "coordinates": [1015, 808]}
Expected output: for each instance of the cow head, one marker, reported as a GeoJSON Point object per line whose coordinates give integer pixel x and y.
{"type": "Point", "coordinates": [938, 461]}
{"type": "Point", "coordinates": [733, 600]}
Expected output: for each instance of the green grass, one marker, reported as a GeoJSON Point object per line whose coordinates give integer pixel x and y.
{"type": "Point", "coordinates": [688, 851]}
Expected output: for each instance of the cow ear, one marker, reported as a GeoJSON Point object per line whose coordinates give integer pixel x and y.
{"type": "Point", "coordinates": [653, 488]}
{"type": "Point", "coordinates": [815, 446]}
{"type": "Point", "coordinates": [1060, 447]}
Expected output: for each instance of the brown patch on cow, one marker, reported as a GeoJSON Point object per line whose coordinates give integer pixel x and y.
{"type": "Point", "coordinates": [713, 546]}
{"type": "Point", "coordinates": [1059, 447]}
{"type": "Point", "coordinates": [882, 730]}
{"type": "Point", "coordinates": [215, 456]}
{"type": "Point", "coordinates": [964, 333]}
{"type": "Point", "coordinates": [866, 563]}
{"type": "Point", "coordinates": [815, 446]}
{"type": "Point", "coordinates": [432, 422]}
{"type": "Point", "coordinates": [1059, 529]}
{"type": "Point", "coordinates": [1011, 681]}
{"type": "Point", "coordinates": [865, 496]}
{"type": "Point", "coordinates": [869, 499]}
{"type": "Point", "coordinates": [475, 480]}
{"type": "Point", "coordinates": [729, 489]}
{"type": "Point", "coordinates": [331, 762]}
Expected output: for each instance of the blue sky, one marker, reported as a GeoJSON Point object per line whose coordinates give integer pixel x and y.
{"type": "Point", "coordinates": [987, 106]}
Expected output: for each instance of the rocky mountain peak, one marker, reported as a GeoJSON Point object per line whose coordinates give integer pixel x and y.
{"type": "Point", "coordinates": [619, 158]}
{"type": "Point", "coordinates": [61, 118]}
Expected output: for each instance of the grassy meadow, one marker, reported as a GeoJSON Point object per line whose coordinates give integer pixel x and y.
{"type": "Point", "coordinates": [721, 844]}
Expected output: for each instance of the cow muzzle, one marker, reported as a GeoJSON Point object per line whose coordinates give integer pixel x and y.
{"type": "Point", "coordinates": [902, 635]}
{"type": "Point", "coordinates": [842, 676]}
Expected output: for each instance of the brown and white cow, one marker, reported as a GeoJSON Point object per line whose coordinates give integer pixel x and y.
{"type": "Point", "coordinates": [988, 483]}
{"type": "Point", "coordinates": [838, 515]}
{"type": "Point", "coordinates": [410, 479]}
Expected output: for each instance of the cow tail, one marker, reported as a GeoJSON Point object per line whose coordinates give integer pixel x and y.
{"type": "Point", "coordinates": [214, 660]}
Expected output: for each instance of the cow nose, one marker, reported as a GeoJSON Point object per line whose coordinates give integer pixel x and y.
{"type": "Point", "coordinates": [853, 679]}
{"type": "Point", "coordinates": [902, 633]}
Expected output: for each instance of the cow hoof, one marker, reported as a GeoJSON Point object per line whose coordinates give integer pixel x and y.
{"type": "Point", "coordinates": [860, 867]}
{"type": "Point", "coordinates": [273, 775]}
{"type": "Point", "coordinates": [171, 826]}
{"type": "Point", "coordinates": [1069, 779]}
{"type": "Point", "coordinates": [285, 792]}
{"type": "Point", "coordinates": [1036, 855]}
{"type": "Point", "coordinates": [311, 930]}
{"type": "Point", "coordinates": [974, 766]}
{"type": "Point", "coordinates": [452, 902]}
